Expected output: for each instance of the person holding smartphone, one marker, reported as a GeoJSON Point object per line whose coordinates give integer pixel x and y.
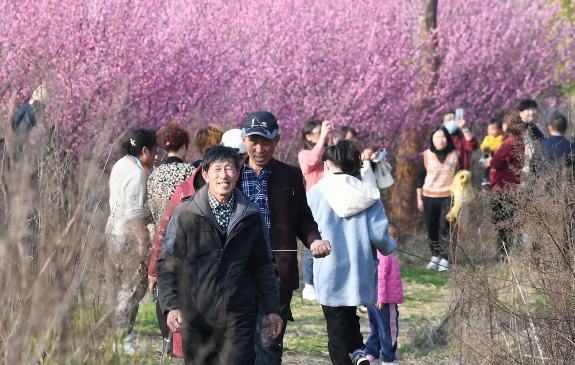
{"type": "Point", "coordinates": [463, 140]}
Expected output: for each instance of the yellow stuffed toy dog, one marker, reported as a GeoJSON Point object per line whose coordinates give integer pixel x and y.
{"type": "Point", "coordinates": [461, 194]}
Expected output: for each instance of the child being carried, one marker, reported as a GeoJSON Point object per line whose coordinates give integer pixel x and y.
{"type": "Point", "coordinates": [490, 144]}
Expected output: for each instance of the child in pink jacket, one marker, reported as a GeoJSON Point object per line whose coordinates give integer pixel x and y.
{"type": "Point", "coordinates": [383, 316]}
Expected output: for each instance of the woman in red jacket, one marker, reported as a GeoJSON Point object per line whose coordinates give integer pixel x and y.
{"type": "Point", "coordinates": [505, 174]}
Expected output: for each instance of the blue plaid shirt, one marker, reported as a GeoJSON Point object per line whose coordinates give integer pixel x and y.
{"type": "Point", "coordinates": [256, 189]}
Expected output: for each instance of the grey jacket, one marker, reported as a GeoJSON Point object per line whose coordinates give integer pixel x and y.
{"type": "Point", "coordinates": [214, 282]}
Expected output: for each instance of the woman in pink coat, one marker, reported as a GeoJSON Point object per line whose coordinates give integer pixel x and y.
{"type": "Point", "coordinates": [383, 316]}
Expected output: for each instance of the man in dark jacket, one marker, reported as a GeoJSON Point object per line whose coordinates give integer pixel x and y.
{"type": "Point", "coordinates": [214, 261]}
{"type": "Point", "coordinates": [557, 147]}
{"type": "Point", "coordinates": [278, 190]}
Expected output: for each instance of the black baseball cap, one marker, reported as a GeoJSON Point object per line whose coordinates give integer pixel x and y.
{"type": "Point", "coordinates": [261, 123]}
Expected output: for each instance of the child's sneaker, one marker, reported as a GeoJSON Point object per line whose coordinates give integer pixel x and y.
{"type": "Point", "coordinates": [433, 263]}
{"type": "Point", "coordinates": [371, 358]}
{"type": "Point", "coordinates": [443, 265]}
{"type": "Point", "coordinates": [308, 292]}
{"type": "Point", "coordinates": [358, 358]}
{"type": "Point", "coordinates": [362, 309]}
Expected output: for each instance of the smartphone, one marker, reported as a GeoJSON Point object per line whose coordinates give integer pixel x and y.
{"type": "Point", "coordinates": [458, 113]}
{"type": "Point", "coordinates": [381, 155]}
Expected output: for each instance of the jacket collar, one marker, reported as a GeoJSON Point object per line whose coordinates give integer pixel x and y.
{"type": "Point", "coordinates": [242, 208]}
{"type": "Point", "coordinates": [273, 164]}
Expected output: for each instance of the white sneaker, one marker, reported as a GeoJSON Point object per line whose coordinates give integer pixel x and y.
{"type": "Point", "coordinates": [433, 263]}
{"type": "Point", "coordinates": [362, 309]}
{"type": "Point", "coordinates": [308, 292]}
{"type": "Point", "coordinates": [358, 358]}
{"type": "Point", "coordinates": [443, 265]}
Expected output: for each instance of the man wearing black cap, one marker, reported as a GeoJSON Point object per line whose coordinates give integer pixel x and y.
{"type": "Point", "coordinates": [278, 190]}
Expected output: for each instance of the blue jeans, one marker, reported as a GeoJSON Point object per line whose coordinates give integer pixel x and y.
{"type": "Point", "coordinates": [384, 331]}
{"type": "Point", "coordinates": [269, 351]}
{"type": "Point", "coordinates": [308, 267]}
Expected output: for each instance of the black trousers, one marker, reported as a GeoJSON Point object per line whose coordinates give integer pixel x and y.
{"type": "Point", "coordinates": [162, 320]}
{"type": "Point", "coordinates": [502, 209]}
{"type": "Point", "coordinates": [163, 323]}
{"type": "Point", "coordinates": [231, 346]}
{"type": "Point", "coordinates": [270, 351]}
{"type": "Point", "coordinates": [343, 332]}
{"type": "Point", "coordinates": [438, 228]}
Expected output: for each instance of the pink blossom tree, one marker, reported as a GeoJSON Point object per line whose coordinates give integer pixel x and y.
{"type": "Point", "coordinates": [357, 63]}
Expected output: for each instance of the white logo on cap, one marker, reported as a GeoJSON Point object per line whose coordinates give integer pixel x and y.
{"type": "Point", "coordinates": [257, 124]}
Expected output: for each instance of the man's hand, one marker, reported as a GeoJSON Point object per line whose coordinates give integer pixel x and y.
{"type": "Point", "coordinates": [379, 305]}
{"type": "Point", "coordinates": [152, 280]}
{"type": "Point", "coordinates": [320, 248]}
{"type": "Point", "coordinates": [175, 320]}
{"type": "Point", "coordinates": [276, 325]}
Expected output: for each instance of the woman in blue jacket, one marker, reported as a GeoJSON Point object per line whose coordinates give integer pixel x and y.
{"type": "Point", "coordinates": [350, 215]}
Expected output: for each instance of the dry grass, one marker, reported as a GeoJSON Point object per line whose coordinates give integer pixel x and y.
{"type": "Point", "coordinates": [52, 214]}
{"type": "Point", "coordinates": [519, 310]}
{"type": "Point", "coordinates": [54, 307]}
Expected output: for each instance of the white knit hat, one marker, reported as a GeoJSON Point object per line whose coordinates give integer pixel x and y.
{"type": "Point", "coordinates": [233, 139]}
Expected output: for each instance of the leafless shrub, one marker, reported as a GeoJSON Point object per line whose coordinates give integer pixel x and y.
{"type": "Point", "coordinates": [53, 209]}
{"type": "Point", "coordinates": [515, 306]}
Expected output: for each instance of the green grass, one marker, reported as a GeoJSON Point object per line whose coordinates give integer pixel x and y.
{"type": "Point", "coordinates": [146, 322]}
{"type": "Point", "coordinates": [424, 276]}
{"type": "Point", "coordinates": [426, 295]}
{"type": "Point", "coordinates": [306, 343]}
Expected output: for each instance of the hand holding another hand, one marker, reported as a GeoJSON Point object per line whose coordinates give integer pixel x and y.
{"type": "Point", "coordinates": [320, 248]}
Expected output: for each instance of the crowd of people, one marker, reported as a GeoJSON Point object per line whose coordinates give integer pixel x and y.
{"type": "Point", "coordinates": [509, 149]}
{"type": "Point", "coordinates": [216, 240]}
{"type": "Point", "coordinates": [223, 234]}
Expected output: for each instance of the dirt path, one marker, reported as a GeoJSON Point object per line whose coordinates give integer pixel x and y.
{"type": "Point", "coordinates": [426, 298]}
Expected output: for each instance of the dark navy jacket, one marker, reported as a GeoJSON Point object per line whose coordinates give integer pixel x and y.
{"type": "Point", "coordinates": [558, 147]}
{"type": "Point", "coordinates": [213, 278]}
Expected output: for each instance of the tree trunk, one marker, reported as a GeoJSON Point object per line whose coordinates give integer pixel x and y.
{"type": "Point", "coordinates": [404, 199]}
